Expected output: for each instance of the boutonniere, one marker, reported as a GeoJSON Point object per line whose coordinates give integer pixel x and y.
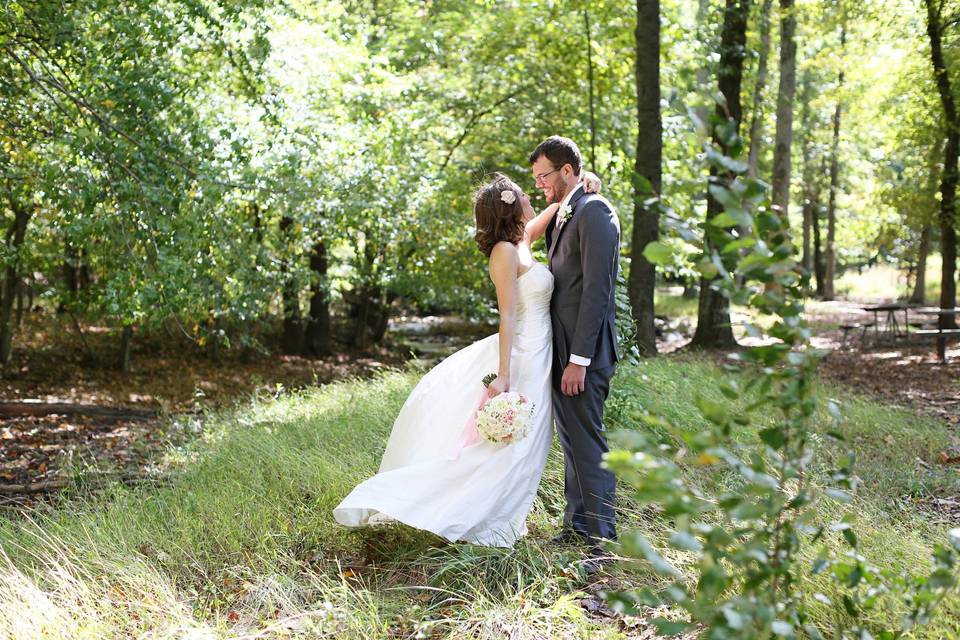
{"type": "Point", "coordinates": [566, 213]}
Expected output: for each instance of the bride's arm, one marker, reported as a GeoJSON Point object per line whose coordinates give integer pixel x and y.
{"type": "Point", "coordinates": [538, 226]}
{"type": "Point", "coordinates": [503, 271]}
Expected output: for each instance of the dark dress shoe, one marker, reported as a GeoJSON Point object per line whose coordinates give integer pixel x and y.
{"type": "Point", "coordinates": [567, 537]}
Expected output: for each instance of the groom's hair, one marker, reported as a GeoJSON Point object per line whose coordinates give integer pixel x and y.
{"type": "Point", "coordinates": [559, 151]}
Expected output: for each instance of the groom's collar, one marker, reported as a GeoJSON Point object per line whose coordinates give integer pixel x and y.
{"type": "Point", "coordinates": [572, 196]}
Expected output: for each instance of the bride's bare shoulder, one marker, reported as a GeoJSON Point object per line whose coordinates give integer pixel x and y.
{"type": "Point", "coordinates": [504, 251]}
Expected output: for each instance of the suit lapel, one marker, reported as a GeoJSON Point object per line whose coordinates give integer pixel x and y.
{"type": "Point", "coordinates": [558, 230]}
{"type": "Point", "coordinates": [549, 235]}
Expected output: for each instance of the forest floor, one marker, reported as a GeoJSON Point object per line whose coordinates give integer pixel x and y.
{"type": "Point", "coordinates": [65, 410]}
{"type": "Point", "coordinates": [906, 373]}
{"type": "Point", "coordinates": [63, 417]}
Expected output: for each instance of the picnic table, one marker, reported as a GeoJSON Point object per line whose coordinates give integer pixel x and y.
{"type": "Point", "coordinates": [891, 327]}
{"type": "Point", "coordinates": [941, 334]}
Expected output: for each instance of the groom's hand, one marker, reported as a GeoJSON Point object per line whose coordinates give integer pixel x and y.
{"type": "Point", "coordinates": [571, 384]}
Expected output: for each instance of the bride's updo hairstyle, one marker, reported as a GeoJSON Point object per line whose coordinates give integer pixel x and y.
{"type": "Point", "coordinates": [496, 208]}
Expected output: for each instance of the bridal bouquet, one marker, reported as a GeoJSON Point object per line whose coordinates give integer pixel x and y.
{"type": "Point", "coordinates": [505, 418]}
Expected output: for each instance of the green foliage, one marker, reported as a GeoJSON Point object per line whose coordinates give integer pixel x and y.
{"type": "Point", "coordinates": [744, 540]}
{"type": "Point", "coordinates": [161, 146]}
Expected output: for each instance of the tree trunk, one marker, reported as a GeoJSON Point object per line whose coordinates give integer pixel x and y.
{"type": "Point", "coordinates": [15, 238]}
{"type": "Point", "coordinates": [21, 285]}
{"type": "Point", "coordinates": [923, 250]}
{"type": "Point", "coordinates": [647, 168]}
{"type": "Point", "coordinates": [756, 119]}
{"type": "Point", "coordinates": [830, 258]}
{"type": "Point", "coordinates": [948, 180]}
{"type": "Point", "coordinates": [379, 328]}
{"type": "Point", "coordinates": [126, 341]}
{"type": "Point", "coordinates": [703, 71]}
{"type": "Point", "coordinates": [785, 94]}
{"type": "Point", "coordinates": [593, 124]}
{"type": "Point", "coordinates": [76, 273]}
{"type": "Point", "coordinates": [318, 324]}
{"type": "Point", "coordinates": [713, 314]}
{"type": "Point", "coordinates": [257, 223]}
{"type": "Point", "coordinates": [291, 342]}
{"type": "Point", "coordinates": [71, 275]}
{"type": "Point", "coordinates": [362, 319]}
{"type": "Point", "coordinates": [809, 173]}
{"type": "Point", "coordinates": [819, 268]}
{"type": "Point", "coordinates": [366, 297]}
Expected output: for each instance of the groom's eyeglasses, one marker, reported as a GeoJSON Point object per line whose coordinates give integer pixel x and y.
{"type": "Point", "coordinates": [538, 179]}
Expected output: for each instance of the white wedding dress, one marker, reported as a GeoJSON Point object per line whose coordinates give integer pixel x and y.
{"type": "Point", "coordinates": [483, 492]}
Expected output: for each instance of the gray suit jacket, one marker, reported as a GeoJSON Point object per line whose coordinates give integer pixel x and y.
{"type": "Point", "coordinates": [584, 257]}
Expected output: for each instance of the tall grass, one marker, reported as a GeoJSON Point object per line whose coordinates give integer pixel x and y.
{"type": "Point", "coordinates": [240, 541]}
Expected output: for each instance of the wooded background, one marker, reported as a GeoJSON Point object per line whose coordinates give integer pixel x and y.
{"type": "Point", "coordinates": [303, 171]}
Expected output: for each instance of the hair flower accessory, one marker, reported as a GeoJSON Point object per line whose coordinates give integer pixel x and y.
{"type": "Point", "coordinates": [508, 196]}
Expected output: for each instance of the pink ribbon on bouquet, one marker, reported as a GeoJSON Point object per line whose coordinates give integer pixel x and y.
{"type": "Point", "coordinates": [469, 435]}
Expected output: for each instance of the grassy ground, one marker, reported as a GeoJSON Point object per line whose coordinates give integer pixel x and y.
{"type": "Point", "coordinates": [884, 282]}
{"type": "Point", "coordinates": [235, 539]}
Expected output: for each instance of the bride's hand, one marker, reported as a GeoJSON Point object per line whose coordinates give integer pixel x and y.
{"type": "Point", "coordinates": [552, 209]}
{"type": "Point", "coordinates": [498, 386]}
{"type": "Point", "coordinates": [591, 182]}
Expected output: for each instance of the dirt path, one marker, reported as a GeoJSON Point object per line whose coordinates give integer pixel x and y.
{"type": "Point", "coordinates": [905, 372]}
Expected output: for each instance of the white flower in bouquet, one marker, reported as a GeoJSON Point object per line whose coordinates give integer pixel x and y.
{"type": "Point", "coordinates": [505, 418]}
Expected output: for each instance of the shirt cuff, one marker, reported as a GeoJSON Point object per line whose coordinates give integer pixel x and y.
{"type": "Point", "coordinates": [580, 360]}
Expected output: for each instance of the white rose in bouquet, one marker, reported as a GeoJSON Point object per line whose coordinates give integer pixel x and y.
{"type": "Point", "coordinates": [505, 418]}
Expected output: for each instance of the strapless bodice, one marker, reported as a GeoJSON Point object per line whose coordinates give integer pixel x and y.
{"type": "Point", "coordinates": [534, 288]}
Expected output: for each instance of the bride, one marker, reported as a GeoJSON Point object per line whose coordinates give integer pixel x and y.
{"type": "Point", "coordinates": [433, 476]}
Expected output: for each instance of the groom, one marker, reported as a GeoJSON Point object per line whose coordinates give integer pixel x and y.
{"type": "Point", "coordinates": [583, 244]}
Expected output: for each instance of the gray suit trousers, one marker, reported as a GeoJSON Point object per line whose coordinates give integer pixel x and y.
{"type": "Point", "coordinates": [589, 488]}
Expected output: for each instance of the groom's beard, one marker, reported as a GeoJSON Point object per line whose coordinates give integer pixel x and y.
{"type": "Point", "coordinates": [559, 193]}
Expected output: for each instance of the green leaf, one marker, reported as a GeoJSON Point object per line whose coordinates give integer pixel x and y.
{"type": "Point", "coordinates": [834, 408]}
{"type": "Point", "coordinates": [708, 269]}
{"type": "Point", "coordinates": [669, 627]}
{"type": "Point", "coordinates": [712, 410]}
{"type": "Point", "coordinates": [812, 631]}
{"type": "Point", "coordinates": [775, 437]}
{"type": "Point", "coordinates": [856, 575]}
{"type": "Point", "coordinates": [724, 196]}
{"type": "Point", "coordinates": [819, 565]}
{"type": "Point", "coordinates": [637, 544]}
{"type": "Point", "coordinates": [839, 494]}
{"type": "Point", "coordinates": [782, 628]}
{"type": "Point", "coordinates": [730, 390]}
{"type": "Point", "coordinates": [685, 541]}
{"type": "Point", "coordinates": [734, 618]}
{"type": "Point", "coordinates": [850, 537]}
{"type": "Point", "coordinates": [736, 245]}
{"type": "Point", "coordinates": [658, 253]}
{"type": "Point", "coordinates": [732, 217]}
{"type": "Point", "coordinates": [849, 606]}
{"type": "Point", "coordinates": [954, 537]}
{"type": "Point", "coordinates": [642, 184]}
{"type": "Point", "coordinates": [725, 162]}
